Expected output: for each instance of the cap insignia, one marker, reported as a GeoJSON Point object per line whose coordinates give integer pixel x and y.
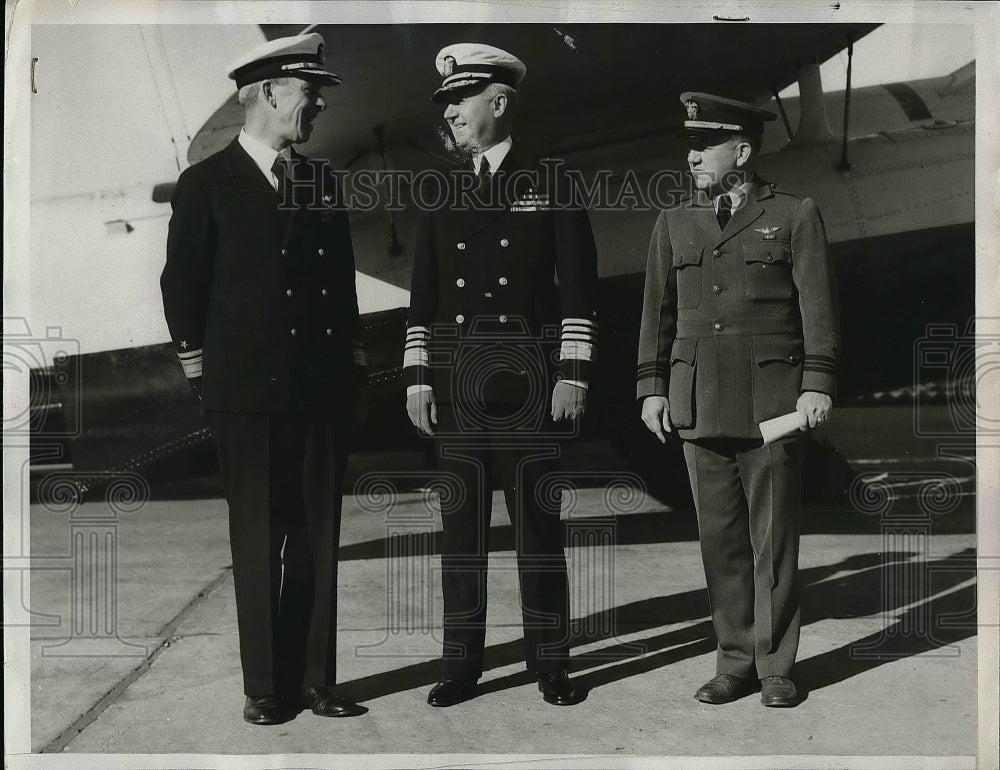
{"type": "Point", "coordinates": [692, 108]}
{"type": "Point", "coordinates": [448, 66]}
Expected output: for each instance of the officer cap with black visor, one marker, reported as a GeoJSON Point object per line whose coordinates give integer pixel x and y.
{"type": "Point", "coordinates": [711, 119]}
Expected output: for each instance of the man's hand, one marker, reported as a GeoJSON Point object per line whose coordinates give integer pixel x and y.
{"type": "Point", "coordinates": [815, 406]}
{"type": "Point", "coordinates": [568, 401]}
{"type": "Point", "coordinates": [422, 409]}
{"type": "Point", "coordinates": [656, 415]}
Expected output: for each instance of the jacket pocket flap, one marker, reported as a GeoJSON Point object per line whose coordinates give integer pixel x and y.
{"type": "Point", "coordinates": [766, 253]}
{"type": "Point", "coordinates": [684, 350]}
{"type": "Point", "coordinates": [690, 256]}
{"type": "Point", "coordinates": [768, 349]}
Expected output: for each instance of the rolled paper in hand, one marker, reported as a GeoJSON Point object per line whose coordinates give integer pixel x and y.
{"type": "Point", "coordinates": [782, 426]}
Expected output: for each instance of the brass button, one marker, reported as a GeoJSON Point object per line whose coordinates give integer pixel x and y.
{"type": "Point", "coordinates": [323, 292]}
{"type": "Point", "coordinates": [294, 332]}
{"type": "Point", "coordinates": [715, 252]}
{"type": "Point", "coordinates": [503, 280]}
{"type": "Point", "coordinates": [717, 289]}
{"type": "Point", "coordinates": [488, 294]}
{"type": "Point", "coordinates": [321, 252]}
{"type": "Point", "coordinates": [718, 326]}
{"type": "Point", "coordinates": [459, 318]}
{"type": "Point", "coordinates": [288, 293]}
{"type": "Point", "coordinates": [284, 252]}
{"type": "Point", "coordinates": [329, 332]}
{"type": "Point", "coordinates": [504, 242]}
{"type": "Point", "coordinates": [461, 245]}
{"type": "Point", "coordinates": [770, 258]}
{"type": "Point", "coordinates": [460, 282]}
{"type": "Point", "coordinates": [503, 319]}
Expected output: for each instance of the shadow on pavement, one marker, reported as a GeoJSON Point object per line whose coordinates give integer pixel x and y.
{"type": "Point", "coordinates": [929, 622]}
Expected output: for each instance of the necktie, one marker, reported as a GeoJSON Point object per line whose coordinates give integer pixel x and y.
{"type": "Point", "coordinates": [725, 212]}
{"type": "Point", "coordinates": [484, 176]}
{"type": "Point", "coordinates": [282, 172]}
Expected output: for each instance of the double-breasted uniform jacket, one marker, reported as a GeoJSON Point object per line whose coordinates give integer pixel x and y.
{"type": "Point", "coordinates": [738, 322]}
{"type": "Point", "coordinates": [503, 295]}
{"type": "Point", "coordinates": [261, 299]}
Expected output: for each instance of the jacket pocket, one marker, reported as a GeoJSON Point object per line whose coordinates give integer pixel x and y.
{"type": "Point", "coordinates": [768, 274]}
{"type": "Point", "coordinates": [777, 375]}
{"type": "Point", "coordinates": [688, 266]}
{"type": "Point", "coordinates": [680, 394]}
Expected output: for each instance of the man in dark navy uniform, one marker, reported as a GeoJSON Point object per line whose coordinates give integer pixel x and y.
{"type": "Point", "coordinates": [739, 326]}
{"type": "Point", "coordinates": [259, 294]}
{"type": "Point", "coordinates": [500, 341]}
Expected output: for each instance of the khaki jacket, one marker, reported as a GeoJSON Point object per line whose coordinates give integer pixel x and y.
{"type": "Point", "coordinates": [738, 322]}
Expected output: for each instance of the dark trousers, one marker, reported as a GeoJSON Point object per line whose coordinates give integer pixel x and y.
{"type": "Point", "coordinates": [748, 497]}
{"type": "Point", "coordinates": [284, 483]}
{"type": "Point", "coordinates": [467, 461]}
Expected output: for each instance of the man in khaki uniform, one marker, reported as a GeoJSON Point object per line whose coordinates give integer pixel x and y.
{"type": "Point", "coordinates": [740, 325]}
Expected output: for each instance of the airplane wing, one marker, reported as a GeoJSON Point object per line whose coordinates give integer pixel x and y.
{"type": "Point", "coordinates": [587, 84]}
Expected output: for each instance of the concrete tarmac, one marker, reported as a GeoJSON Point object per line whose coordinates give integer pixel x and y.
{"type": "Point", "coordinates": [887, 657]}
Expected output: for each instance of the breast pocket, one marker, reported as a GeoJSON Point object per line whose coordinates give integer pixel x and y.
{"type": "Point", "coordinates": [768, 271]}
{"type": "Point", "coordinates": [688, 267]}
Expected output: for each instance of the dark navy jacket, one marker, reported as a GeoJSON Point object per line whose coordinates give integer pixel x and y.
{"type": "Point", "coordinates": [260, 300]}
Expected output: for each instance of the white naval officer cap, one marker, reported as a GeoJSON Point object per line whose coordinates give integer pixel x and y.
{"type": "Point", "coordinates": [466, 65]}
{"type": "Point", "coordinates": [300, 56]}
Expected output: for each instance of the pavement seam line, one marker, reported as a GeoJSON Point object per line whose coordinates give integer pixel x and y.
{"type": "Point", "coordinates": [166, 632]}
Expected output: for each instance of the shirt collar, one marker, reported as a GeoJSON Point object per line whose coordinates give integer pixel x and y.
{"type": "Point", "coordinates": [494, 155]}
{"type": "Point", "coordinates": [261, 154]}
{"type": "Point", "coordinates": [736, 195]}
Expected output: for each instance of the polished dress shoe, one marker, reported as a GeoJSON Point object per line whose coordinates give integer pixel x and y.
{"type": "Point", "coordinates": [323, 702]}
{"type": "Point", "coordinates": [448, 692]}
{"type": "Point", "coordinates": [557, 689]}
{"type": "Point", "coordinates": [779, 692]}
{"type": "Point", "coordinates": [725, 688]}
{"type": "Point", "coordinates": [266, 710]}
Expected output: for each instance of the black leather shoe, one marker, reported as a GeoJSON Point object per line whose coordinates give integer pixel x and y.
{"type": "Point", "coordinates": [266, 710]}
{"type": "Point", "coordinates": [324, 703]}
{"type": "Point", "coordinates": [779, 692]}
{"type": "Point", "coordinates": [448, 692]}
{"type": "Point", "coordinates": [557, 689]}
{"type": "Point", "coordinates": [725, 688]}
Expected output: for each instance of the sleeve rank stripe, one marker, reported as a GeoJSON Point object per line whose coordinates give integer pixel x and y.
{"type": "Point", "coordinates": [821, 368]}
{"type": "Point", "coordinates": [416, 356]}
{"type": "Point", "coordinates": [192, 369]}
{"type": "Point", "coordinates": [581, 351]}
{"type": "Point", "coordinates": [190, 354]}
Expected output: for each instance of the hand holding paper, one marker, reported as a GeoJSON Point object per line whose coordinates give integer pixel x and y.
{"type": "Point", "coordinates": [785, 425]}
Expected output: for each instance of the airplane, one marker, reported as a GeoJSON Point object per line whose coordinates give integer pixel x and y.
{"type": "Point", "coordinates": [897, 197]}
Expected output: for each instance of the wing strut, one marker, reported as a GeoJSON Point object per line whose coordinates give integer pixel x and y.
{"type": "Point", "coordinates": [784, 115]}
{"type": "Point", "coordinates": [844, 164]}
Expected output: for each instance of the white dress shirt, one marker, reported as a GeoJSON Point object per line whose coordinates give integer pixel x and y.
{"type": "Point", "coordinates": [263, 155]}
{"type": "Point", "coordinates": [494, 155]}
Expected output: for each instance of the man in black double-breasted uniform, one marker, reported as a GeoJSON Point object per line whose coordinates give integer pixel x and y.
{"type": "Point", "coordinates": [500, 341]}
{"type": "Point", "coordinates": [739, 326]}
{"type": "Point", "coordinates": [259, 295]}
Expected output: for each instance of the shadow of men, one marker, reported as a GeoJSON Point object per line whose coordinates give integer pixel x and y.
{"type": "Point", "coordinates": [858, 586]}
